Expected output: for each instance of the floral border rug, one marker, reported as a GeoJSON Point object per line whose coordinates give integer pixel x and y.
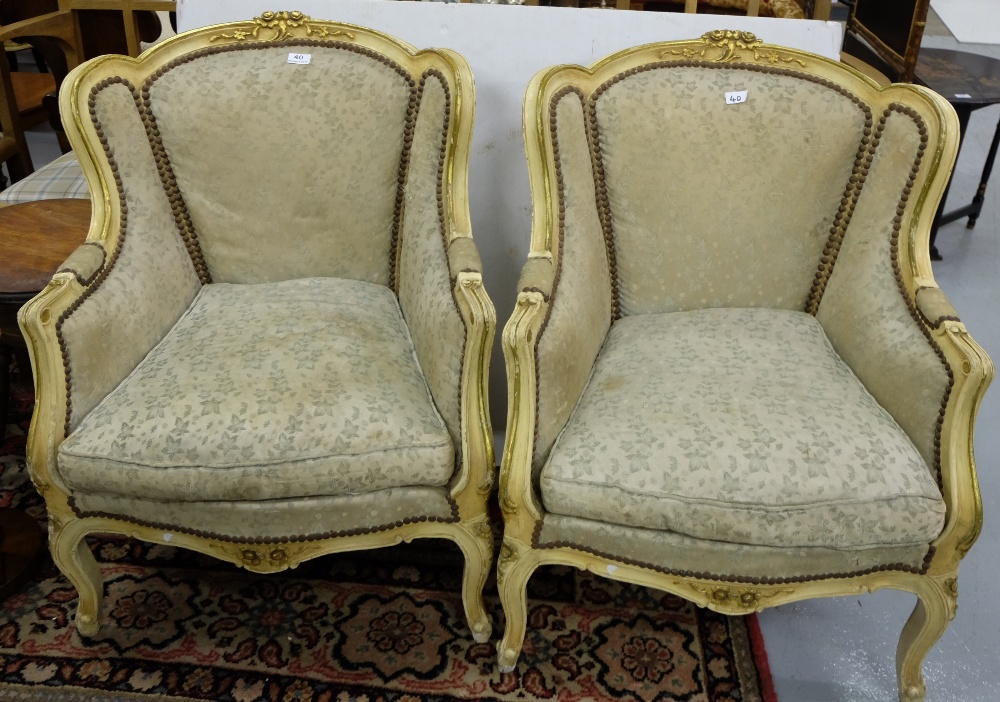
{"type": "Point", "coordinates": [376, 626]}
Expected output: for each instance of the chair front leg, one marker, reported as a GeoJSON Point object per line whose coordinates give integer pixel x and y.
{"type": "Point", "coordinates": [74, 559]}
{"type": "Point", "coordinates": [937, 601]}
{"type": "Point", "coordinates": [514, 568]}
{"type": "Point", "coordinates": [476, 543]}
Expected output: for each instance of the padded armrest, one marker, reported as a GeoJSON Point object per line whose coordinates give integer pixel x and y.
{"type": "Point", "coordinates": [85, 263]}
{"type": "Point", "coordinates": [538, 275]}
{"type": "Point", "coordinates": [463, 256]}
{"type": "Point", "coordinates": [935, 307]}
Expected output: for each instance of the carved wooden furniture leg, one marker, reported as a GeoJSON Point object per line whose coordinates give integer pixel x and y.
{"type": "Point", "coordinates": [937, 601]}
{"type": "Point", "coordinates": [68, 543]}
{"type": "Point", "coordinates": [514, 569]}
{"type": "Point", "coordinates": [477, 547]}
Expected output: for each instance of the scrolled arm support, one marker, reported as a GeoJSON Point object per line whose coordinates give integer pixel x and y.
{"type": "Point", "coordinates": [38, 320]}
{"type": "Point", "coordinates": [518, 500]}
{"type": "Point", "coordinates": [973, 371]}
{"type": "Point", "coordinates": [479, 317]}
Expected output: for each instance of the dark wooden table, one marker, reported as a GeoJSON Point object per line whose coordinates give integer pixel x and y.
{"type": "Point", "coordinates": [35, 238]}
{"type": "Point", "coordinates": [969, 82]}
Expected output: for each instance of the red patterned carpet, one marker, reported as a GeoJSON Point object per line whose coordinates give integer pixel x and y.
{"type": "Point", "coordinates": [383, 626]}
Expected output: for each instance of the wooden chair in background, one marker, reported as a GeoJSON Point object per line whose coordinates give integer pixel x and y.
{"type": "Point", "coordinates": [13, 147]}
{"type": "Point", "coordinates": [64, 33]}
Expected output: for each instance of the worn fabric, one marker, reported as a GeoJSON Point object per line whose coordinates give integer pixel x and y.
{"type": "Point", "coordinates": [678, 552]}
{"type": "Point", "coordinates": [59, 179]}
{"type": "Point", "coordinates": [275, 519]}
{"type": "Point", "coordinates": [696, 186]}
{"type": "Point", "coordinates": [743, 426]}
{"type": "Point", "coordinates": [85, 262]}
{"type": "Point", "coordinates": [425, 288]}
{"type": "Point", "coordinates": [264, 392]}
{"type": "Point", "coordinates": [317, 147]}
{"type": "Point", "coordinates": [580, 308]}
{"type": "Point", "coordinates": [865, 313]}
{"type": "Point", "coordinates": [150, 284]}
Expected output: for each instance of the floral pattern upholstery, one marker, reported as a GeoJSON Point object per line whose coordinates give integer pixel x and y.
{"type": "Point", "coordinates": [741, 426]}
{"type": "Point", "coordinates": [679, 553]}
{"type": "Point", "coordinates": [284, 518]}
{"type": "Point", "coordinates": [344, 107]}
{"type": "Point", "coordinates": [670, 252]}
{"type": "Point", "coordinates": [576, 327]}
{"type": "Point", "coordinates": [301, 388]}
{"type": "Point", "coordinates": [867, 320]}
{"type": "Point", "coordinates": [149, 280]}
{"type": "Point", "coordinates": [424, 279]}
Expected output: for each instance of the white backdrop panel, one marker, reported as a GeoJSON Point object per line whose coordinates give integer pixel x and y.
{"type": "Point", "coordinates": [505, 46]}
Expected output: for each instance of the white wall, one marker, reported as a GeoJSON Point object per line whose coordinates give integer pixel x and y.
{"type": "Point", "coordinates": [505, 46]}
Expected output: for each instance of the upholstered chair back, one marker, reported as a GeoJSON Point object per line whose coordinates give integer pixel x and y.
{"type": "Point", "coordinates": [677, 164]}
{"type": "Point", "coordinates": [257, 151]}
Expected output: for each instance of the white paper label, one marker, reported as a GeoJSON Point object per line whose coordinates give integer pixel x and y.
{"type": "Point", "coordinates": [167, 536]}
{"type": "Point", "coordinates": [962, 96]}
{"type": "Point", "coordinates": [736, 97]}
{"type": "Point", "coordinates": [612, 569]}
{"type": "Point", "coordinates": [299, 58]}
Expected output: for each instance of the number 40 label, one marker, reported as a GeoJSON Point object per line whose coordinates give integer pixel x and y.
{"type": "Point", "coordinates": [301, 59]}
{"type": "Point", "coordinates": [736, 97]}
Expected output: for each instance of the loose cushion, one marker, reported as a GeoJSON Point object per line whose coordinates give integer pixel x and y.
{"type": "Point", "coordinates": [743, 426]}
{"type": "Point", "coordinates": [341, 121]}
{"type": "Point", "coordinates": [62, 178]}
{"type": "Point", "coordinates": [301, 388]}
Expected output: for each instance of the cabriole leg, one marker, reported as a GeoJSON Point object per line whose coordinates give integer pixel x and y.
{"type": "Point", "coordinates": [513, 572]}
{"type": "Point", "coordinates": [73, 558]}
{"type": "Point", "coordinates": [477, 547]}
{"type": "Point", "coordinates": [936, 605]}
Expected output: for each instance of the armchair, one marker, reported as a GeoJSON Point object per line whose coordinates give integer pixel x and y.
{"type": "Point", "coordinates": [273, 344]}
{"type": "Point", "coordinates": [732, 376]}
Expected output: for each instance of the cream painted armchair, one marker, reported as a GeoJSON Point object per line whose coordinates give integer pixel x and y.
{"type": "Point", "coordinates": [273, 344]}
{"type": "Point", "coordinates": [732, 376]}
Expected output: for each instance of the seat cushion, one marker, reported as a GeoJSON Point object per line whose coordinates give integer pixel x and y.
{"type": "Point", "coordinates": [301, 388]}
{"type": "Point", "coordinates": [62, 178]}
{"type": "Point", "coordinates": [743, 426]}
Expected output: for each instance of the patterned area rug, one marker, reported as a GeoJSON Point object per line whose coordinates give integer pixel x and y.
{"type": "Point", "coordinates": [381, 626]}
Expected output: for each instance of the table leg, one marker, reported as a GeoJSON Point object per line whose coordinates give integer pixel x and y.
{"type": "Point", "coordinates": [980, 197]}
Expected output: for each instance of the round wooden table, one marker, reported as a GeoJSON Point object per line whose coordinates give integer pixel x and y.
{"type": "Point", "coordinates": [35, 238]}
{"type": "Point", "coordinates": [969, 82]}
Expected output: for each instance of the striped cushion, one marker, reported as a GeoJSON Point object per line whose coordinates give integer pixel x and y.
{"type": "Point", "coordinates": [63, 178]}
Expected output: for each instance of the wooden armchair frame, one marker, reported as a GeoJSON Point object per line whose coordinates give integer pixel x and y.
{"type": "Point", "coordinates": [970, 368]}
{"type": "Point", "coordinates": [40, 320]}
